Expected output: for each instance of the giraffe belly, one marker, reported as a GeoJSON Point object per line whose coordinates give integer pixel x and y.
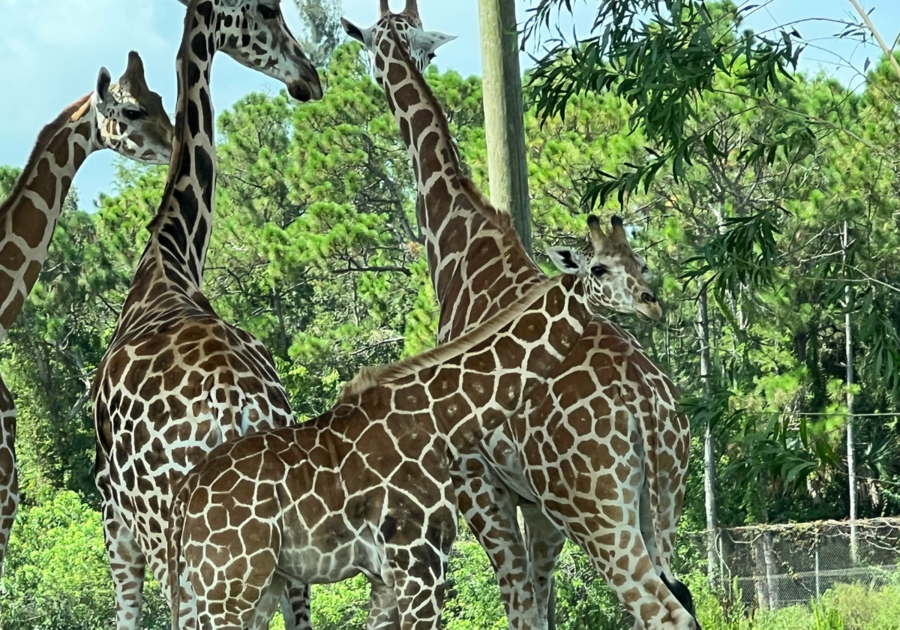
{"type": "Point", "coordinates": [327, 558]}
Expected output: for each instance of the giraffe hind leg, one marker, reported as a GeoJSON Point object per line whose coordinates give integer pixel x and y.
{"type": "Point", "coordinates": [661, 557]}
{"type": "Point", "coordinates": [415, 565]}
{"type": "Point", "coordinates": [127, 565]}
{"type": "Point", "coordinates": [383, 610]}
{"type": "Point", "coordinates": [489, 509]}
{"type": "Point", "coordinates": [268, 603]}
{"type": "Point", "coordinates": [545, 543]}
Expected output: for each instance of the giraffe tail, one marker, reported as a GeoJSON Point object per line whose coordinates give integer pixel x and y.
{"type": "Point", "coordinates": [651, 441]}
{"type": "Point", "coordinates": [683, 594]}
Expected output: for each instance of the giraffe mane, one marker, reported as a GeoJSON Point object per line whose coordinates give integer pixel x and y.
{"type": "Point", "coordinates": [72, 112]}
{"type": "Point", "coordinates": [499, 219]}
{"type": "Point", "coordinates": [373, 376]}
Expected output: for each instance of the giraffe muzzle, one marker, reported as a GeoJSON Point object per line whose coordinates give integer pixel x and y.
{"type": "Point", "coordinates": [649, 306]}
{"type": "Point", "coordinates": [307, 88]}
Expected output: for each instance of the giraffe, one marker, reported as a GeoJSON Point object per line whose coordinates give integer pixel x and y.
{"type": "Point", "coordinates": [176, 380]}
{"type": "Point", "coordinates": [473, 276]}
{"type": "Point", "coordinates": [126, 117]}
{"type": "Point", "coordinates": [365, 488]}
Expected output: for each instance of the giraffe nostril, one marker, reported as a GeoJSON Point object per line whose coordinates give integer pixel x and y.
{"type": "Point", "coordinates": [648, 297]}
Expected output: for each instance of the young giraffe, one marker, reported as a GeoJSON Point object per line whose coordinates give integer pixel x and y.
{"type": "Point", "coordinates": [365, 488]}
{"type": "Point", "coordinates": [176, 380]}
{"type": "Point", "coordinates": [473, 276]}
{"type": "Point", "coordinates": [126, 117]}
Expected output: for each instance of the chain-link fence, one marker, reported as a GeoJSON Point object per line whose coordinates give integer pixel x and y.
{"type": "Point", "coordinates": [774, 566]}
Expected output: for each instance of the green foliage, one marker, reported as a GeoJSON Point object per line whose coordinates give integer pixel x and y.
{"type": "Point", "coordinates": [474, 597]}
{"type": "Point", "coordinates": [56, 576]}
{"type": "Point", "coordinates": [844, 607]}
{"type": "Point", "coordinates": [862, 608]}
{"type": "Point", "coordinates": [659, 56]}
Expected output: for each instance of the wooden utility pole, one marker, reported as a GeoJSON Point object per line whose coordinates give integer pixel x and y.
{"type": "Point", "coordinates": [504, 113]}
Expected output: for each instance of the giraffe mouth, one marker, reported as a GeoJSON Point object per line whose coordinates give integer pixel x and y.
{"type": "Point", "coordinates": [652, 312]}
{"type": "Point", "coordinates": [304, 91]}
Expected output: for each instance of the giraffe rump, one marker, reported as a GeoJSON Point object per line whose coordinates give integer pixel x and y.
{"type": "Point", "coordinates": [372, 376]}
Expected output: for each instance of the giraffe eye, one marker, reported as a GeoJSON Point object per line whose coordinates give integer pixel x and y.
{"type": "Point", "coordinates": [598, 270]}
{"type": "Point", "coordinates": [645, 269]}
{"type": "Point", "coordinates": [133, 114]}
{"type": "Point", "coordinates": [267, 13]}
{"type": "Point", "coordinates": [431, 56]}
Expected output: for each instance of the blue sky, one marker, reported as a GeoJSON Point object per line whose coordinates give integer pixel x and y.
{"type": "Point", "coordinates": [51, 51]}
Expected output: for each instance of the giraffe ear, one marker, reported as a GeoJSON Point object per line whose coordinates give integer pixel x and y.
{"type": "Point", "coordinates": [362, 35]}
{"type": "Point", "coordinates": [103, 81]}
{"type": "Point", "coordinates": [566, 259]}
{"type": "Point", "coordinates": [428, 41]}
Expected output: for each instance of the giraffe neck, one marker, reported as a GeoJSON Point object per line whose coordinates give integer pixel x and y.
{"type": "Point", "coordinates": [29, 216]}
{"type": "Point", "coordinates": [463, 233]}
{"type": "Point", "coordinates": [473, 384]}
{"type": "Point", "coordinates": [175, 256]}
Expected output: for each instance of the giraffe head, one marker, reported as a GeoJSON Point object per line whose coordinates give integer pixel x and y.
{"type": "Point", "coordinates": [418, 43]}
{"type": "Point", "coordinates": [253, 33]}
{"type": "Point", "coordinates": [130, 116]}
{"type": "Point", "coordinates": [615, 276]}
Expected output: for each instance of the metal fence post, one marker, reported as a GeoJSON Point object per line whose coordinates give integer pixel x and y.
{"type": "Point", "coordinates": [818, 587]}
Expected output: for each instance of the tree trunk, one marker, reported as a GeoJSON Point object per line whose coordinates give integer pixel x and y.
{"type": "Point", "coordinates": [504, 115]}
{"type": "Point", "coordinates": [709, 454]}
{"type": "Point", "coordinates": [851, 457]}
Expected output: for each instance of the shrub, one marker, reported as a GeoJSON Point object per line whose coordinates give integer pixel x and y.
{"type": "Point", "coordinates": [864, 608]}
{"type": "Point", "coordinates": [56, 575]}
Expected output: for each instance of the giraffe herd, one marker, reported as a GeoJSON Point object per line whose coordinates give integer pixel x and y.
{"type": "Point", "coordinates": [531, 400]}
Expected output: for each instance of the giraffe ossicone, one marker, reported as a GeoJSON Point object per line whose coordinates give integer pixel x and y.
{"type": "Point", "coordinates": [364, 488]}
{"type": "Point", "coordinates": [126, 117]}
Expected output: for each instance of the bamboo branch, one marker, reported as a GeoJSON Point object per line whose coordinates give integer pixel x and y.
{"type": "Point", "coordinates": [884, 46]}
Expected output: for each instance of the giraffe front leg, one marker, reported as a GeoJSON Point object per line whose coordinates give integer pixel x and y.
{"type": "Point", "coordinates": [544, 542]}
{"type": "Point", "coordinates": [383, 611]}
{"type": "Point", "coordinates": [295, 607]}
{"type": "Point", "coordinates": [9, 474]}
{"type": "Point", "coordinates": [489, 508]}
{"type": "Point", "coordinates": [417, 576]}
{"type": "Point", "coordinates": [416, 546]}
{"type": "Point", "coordinates": [127, 566]}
